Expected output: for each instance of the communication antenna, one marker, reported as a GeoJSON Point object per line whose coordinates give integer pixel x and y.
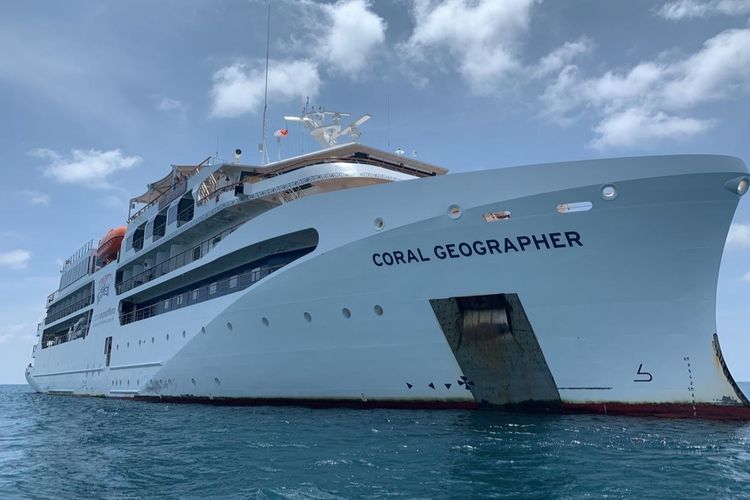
{"type": "Point", "coordinates": [388, 122]}
{"type": "Point", "coordinates": [262, 145]}
{"type": "Point", "coordinates": [327, 133]}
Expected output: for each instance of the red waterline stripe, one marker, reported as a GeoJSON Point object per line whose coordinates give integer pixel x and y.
{"type": "Point", "coordinates": [664, 410]}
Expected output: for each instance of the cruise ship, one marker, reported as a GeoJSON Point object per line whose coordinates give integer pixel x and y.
{"type": "Point", "coordinates": [356, 277]}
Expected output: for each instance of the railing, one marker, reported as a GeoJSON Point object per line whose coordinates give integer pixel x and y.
{"type": "Point", "coordinates": [169, 265]}
{"type": "Point", "coordinates": [218, 191]}
{"type": "Point", "coordinates": [200, 294]}
{"type": "Point", "coordinates": [84, 251]}
{"type": "Point", "coordinates": [155, 201]}
{"type": "Point", "coordinates": [70, 308]}
{"type": "Point", "coordinates": [74, 333]}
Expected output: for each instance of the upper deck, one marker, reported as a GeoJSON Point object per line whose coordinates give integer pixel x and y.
{"type": "Point", "coordinates": [177, 182]}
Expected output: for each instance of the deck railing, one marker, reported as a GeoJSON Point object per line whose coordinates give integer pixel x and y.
{"type": "Point", "coordinates": [69, 309]}
{"type": "Point", "coordinates": [200, 294]}
{"type": "Point", "coordinates": [176, 262]}
{"type": "Point", "coordinates": [156, 201]}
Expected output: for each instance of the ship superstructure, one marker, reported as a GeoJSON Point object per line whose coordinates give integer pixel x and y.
{"type": "Point", "coordinates": [357, 277]}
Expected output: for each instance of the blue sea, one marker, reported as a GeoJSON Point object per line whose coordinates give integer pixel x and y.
{"type": "Point", "coordinates": [69, 447]}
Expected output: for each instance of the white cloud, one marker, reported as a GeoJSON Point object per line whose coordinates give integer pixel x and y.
{"type": "Point", "coordinates": [686, 9]}
{"type": "Point", "coordinates": [649, 102]}
{"type": "Point", "coordinates": [238, 89]}
{"type": "Point", "coordinates": [15, 259]}
{"type": "Point", "coordinates": [354, 33]}
{"type": "Point", "coordinates": [481, 38]}
{"type": "Point", "coordinates": [562, 57]}
{"type": "Point", "coordinates": [88, 167]}
{"type": "Point", "coordinates": [634, 126]}
{"type": "Point", "coordinates": [168, 104]}
{"type": "Point", "coordinates": [36, 197]}
{"type": "Point", "coordinates": [739, 235]}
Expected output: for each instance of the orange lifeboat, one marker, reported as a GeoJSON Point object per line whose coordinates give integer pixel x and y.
{"type": "Point", "coordinates": [110, 244]}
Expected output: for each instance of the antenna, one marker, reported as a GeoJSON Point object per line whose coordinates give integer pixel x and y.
{"type": "Point", "coordinates": [388, 122]}
{"type": "Point", "coordinates": [328, 133]}
{"type": "Point", "coordinates": [263, 154]}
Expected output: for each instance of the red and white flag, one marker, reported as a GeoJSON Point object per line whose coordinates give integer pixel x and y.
{"type": "Point", "coordinates": [282, 132]}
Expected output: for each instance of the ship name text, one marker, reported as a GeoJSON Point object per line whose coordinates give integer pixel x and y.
{"type": "Point", "coordinates": [463, 249]}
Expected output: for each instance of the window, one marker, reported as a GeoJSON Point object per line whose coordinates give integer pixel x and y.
{"type": "Point", "coordinates": [212, 288]}
{"type": "Point", "coordinates": [166, 304]}
{"type": "Point", "coordinates": [196, 253]}
{"type": "Point", "coordinates": [195, 294]}
{"type": "Point", "coordinates": [179, 300]}
{"type": "Point", "coordinates": [233, 282]}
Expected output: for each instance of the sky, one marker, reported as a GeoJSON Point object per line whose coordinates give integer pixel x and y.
{"type": "Point", "coordinates": [98, 98]}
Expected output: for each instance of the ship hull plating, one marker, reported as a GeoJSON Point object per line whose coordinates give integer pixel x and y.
{"type": "Point", "coordinates": [608, 310]}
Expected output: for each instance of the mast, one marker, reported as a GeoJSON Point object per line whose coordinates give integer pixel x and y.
{"type": "Point", "coordinates": [262, 145]}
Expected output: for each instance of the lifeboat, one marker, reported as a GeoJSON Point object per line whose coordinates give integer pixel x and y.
{"type": "Point", "coordinates": [110, 244]}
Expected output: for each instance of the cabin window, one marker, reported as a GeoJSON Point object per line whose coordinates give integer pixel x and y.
{"type": "Point", "coordinates": [212, 288]}
{"type": "Point", "coordinates": [138, 237]}
{"type": "Point", "coordinates": [166, 304]}
{"type": "Point", "coordinates": [233, 282]}
{"type": "Point", "coordinates": [196, 253]}
{"type": "Point", "coordinates": [160, 225]}
{"type": "Point", "coordinates": [179, 300]}
{"type": "Point", "coordinates": [172, 215]}
{"type": "Point", "coordinates": [195, 294]}
{"type": "Point", "coordinates": [185, 209]}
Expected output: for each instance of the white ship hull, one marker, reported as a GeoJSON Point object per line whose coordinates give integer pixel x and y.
{"type": "Point", "coordinates": [612, 309]}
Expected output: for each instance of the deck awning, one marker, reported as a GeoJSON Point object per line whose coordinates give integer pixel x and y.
{"type": "Point", "coordinates": [158, 188]}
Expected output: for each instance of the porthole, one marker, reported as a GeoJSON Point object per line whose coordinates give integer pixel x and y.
{"type": "Point", "coordinates": [307, 316]}
{"type": "Point", "coordinates": [378, 309]}
{"type": "Point", "coordinates": [378, 223]}
{"type": "Point", "coordinates": [139, 343]}
{"type": "Point", "coordinates": [609, 192]}
{"type": "Point", "coordinates": [454, 211]}
{"type": "Point", "coordinates": [229, 326]}
{"type": "Point", "coordinates": [167, 336]}
{"type": "Point", "coordinates": [203, 330]}
{"type": "Point", "coordinates": [265, 321]}
{"type": "Point", "coordinates": [346, 312]}
{"type": "Point", "coordinates": [117, 347]}
{"type": "Point", "coordinates": [193, 381]}
{"type": "Point", "coordinates": [127, 345]}
{"type": "Point", "coordinates": [183, 334]}
{"type": "Point", "coordinates": [216, 379]}
{"type": "Point", "coordinates": [153, 340]}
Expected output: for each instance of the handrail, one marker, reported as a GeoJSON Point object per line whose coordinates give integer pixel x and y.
{"type": "Point", "coordinates": [169, 265]}
{"type": "Point", "coordinates": [220, 190]}
{"type": "Point", "coordinates": [69, 309]}
{"type": "Point", "coordinates": [156, 200]}
{"type": "Point", "coordinates": [246, 279]}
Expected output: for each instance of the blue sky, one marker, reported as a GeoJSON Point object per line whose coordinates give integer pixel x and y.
{"type": "Point", "coordinates": [99, 98]}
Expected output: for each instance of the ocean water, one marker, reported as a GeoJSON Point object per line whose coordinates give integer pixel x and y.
{"type": "Point", "coordinates": [69, 447]}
